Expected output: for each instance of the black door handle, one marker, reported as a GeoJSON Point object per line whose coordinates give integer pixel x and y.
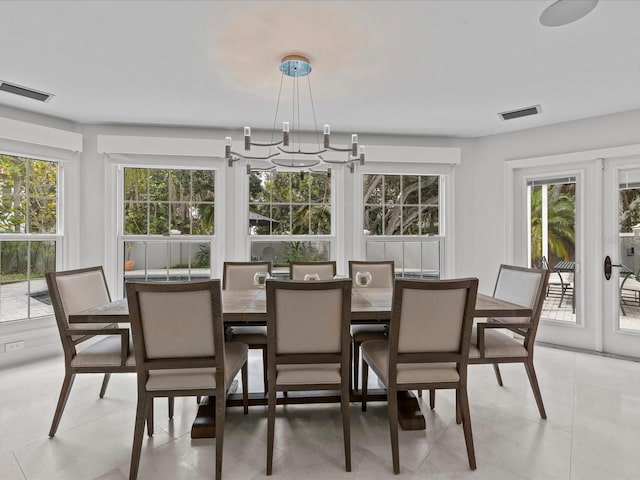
{"type": "Point", "coordinates": [608, 266]}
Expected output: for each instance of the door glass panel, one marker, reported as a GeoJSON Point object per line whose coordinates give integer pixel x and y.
{"type": "Point", "coordinates": [629, 242]}
{"type": "Point", "coordinates": [552, 243]}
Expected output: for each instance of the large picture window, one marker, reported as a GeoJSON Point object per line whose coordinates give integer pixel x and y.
{"type": "Point", "coordinates": [167, 213]}
{"type": "Point", "coordinates": [28, 235]}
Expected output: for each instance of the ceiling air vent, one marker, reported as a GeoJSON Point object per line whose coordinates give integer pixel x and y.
{"type": "Point", "coordinates": [25, 92]}
{"type": "Point", "coordinates": [523, 112]}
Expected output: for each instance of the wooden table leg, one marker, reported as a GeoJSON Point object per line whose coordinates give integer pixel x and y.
{"type": "Point", "coordinates": [204, 425]}
{"type": "Point", "coordinates": [410, 416]}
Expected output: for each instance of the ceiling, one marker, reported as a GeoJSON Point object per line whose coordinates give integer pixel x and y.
{"type": "Point", "coordinates": [422, 68]}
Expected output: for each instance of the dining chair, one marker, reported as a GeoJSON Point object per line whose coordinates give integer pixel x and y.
{"type": "Point", "coordinates": [325, 270]}
{"type": "Point", "coordinates": [239, 276]}
{"type": "Point", "coordinates": [427, 348]}
{"type": "Point", "coordinates": [308, 349]}
{"type": "Point", "coordinates": [180, 351]}
{"type": "Point", "coordinates": [382, 276]}
{"type": "Point", "coordinates": [489, 345]}
{"type": "Point", "coordinates": [72, 291]}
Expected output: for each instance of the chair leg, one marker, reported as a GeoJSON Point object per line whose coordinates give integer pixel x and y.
{"type": "Point", "coordinates": [356, 364]}
{"type": "Point", "coordinates": [496, 370]}
{"type": "Point", "coordinates": [419, 393]}
{"type": "Point", "coordinates": [244, 373]}
{"type": "Point", "coordinates": [346, 424]}
{"type": "Point", "coordinates": [463, 405]}
{"type": "Point", "coordinates": [67, 383]}
{"type": "Point", "coordinates": [220, 414]}
{"type": "Point", "coordinates": [365, 380]}
{"type": "Point", "coordinates": [392, 411]}
{"type": "Point", "coordinates": [458, 412]}
{"type": "Point", "coordinates": [138, 433]}
{"type": "Point", "coordinates": [170, 405]}
{"type": "Point", "coordinates": [198, 399]}
{"type": "Point", "coordinates": [105, 382]}
{"type": "Point", "coordinates": [271, 420]}
{"type": "Point", "coordinates": [533, 380]}
{"type": "Point", "coordinates": [432, 398]}
{"type": "Point", "coordinates": [150, 417]}
{"type": "Point", "coordinates": [264, 369]}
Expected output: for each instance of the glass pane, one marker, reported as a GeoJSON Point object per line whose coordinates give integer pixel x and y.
{"type": "Point", "coordinates": [410, 221]}
{"type": "Point", "coordinates": [305, 252]}
{"type": "Point", "coordinates": [43, 178]}
{"type": "Point", "coordinates": [372, 221]}
{"type": "Point", "coordinates": [158, 184]}
{"type": "Point", "coordinates": [299, 187]}
{"type": "Point", "coordinates": [412, 260]}
{"type": "Point", "coordinates": [320, 188]}
{"type": "Point", "coordinates": [204, 182]}
{"type": "Point", "coordinates": [629, 240]}
{"type": "Point", "coordinates": [410, 190]}
{"type": "Point", "coordinates": [392, 220]}
{"type": "Point", "coordinates": [429, 188]}
{"type": "Point", "coordinates": [260, 220]}
{"type": "Point", "coordinates": [203, 218]}
{"type": "Point", "coordinates": [394, 251]}
{"type": "Point", "coordinates": [320, 220]}
{"type": "Point", "coordinates": [135, 183]}
{"type": "Point", "coordinates": [201, 263]}
{"type": "Point", "coordinates": [300, 219]}
{"type": "Point", "coordinates": [431, 259]}
{"type": "Point", "coordinates": [257, 191]}
{"type": "Point", "coordinates": [158, 219]}
{"type": "Point", "coordinates": [13, 171]}
{"type": "Point", "coordinates": [280, 216]}
{"type": "Point", "coordinates": [279, 187]}
{"type": "Point", "coordinates": [43, 260]}
{"type": "Point", "coordinates": [135, 218]}
{"type": "Point", "coordinates": [180, 219]}
{"type": "Point", "coordinates": [134, 256]}
{"type": "Point", "coordinates": [180, 185]}
{"type": "Point", "coordinates": [429, 222]}
{"type": "Point", "coordinates": [280, 253]}
{"type": "Point", "coordinates": [42, 215]}
{"type": "Point", "coordinates": [392, 189]}
{"type": "Point", "coordinates": [375, 251]}
{"type": "Point", "coordinates": [14, 288]}
{"type": "Point", "coordinates": [372, 189]}
{"type": "Point", "coordinates": [13, 214]}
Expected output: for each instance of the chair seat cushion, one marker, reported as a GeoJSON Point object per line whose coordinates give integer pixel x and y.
{"type": "Point", "coordinates": [376, 354]}
{"type": "Point", "coordinates": [496, 344]}
{"type": "Point", "coordinates": [103, 353]}
{"type": "Point", "coordinates": [363, 333]}
{"type": "Point", "coordinates": [312, 374]}
{"type": "Point", "coordinates": [249, 335]}
{"type": "Point", "coordinates": [199, 378]}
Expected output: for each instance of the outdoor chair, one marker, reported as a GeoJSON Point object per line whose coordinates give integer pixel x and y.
{"type": "Point", "coordinates": [308, 329]}
{"type": "Point", "coordinates": [73, 291]}
{"type": "Point", "coordinates": [325, 270]}
{"type": "Point", "coordinates": [526, 287]}
{"type": "Point", "coordinates": [427, 348]}
{"type": "Point", "coordinates": [239, 276]}
{"type": "Point", "coordinates": [180, 351]}
{"type": "Point", "coordinates": [382, 276]}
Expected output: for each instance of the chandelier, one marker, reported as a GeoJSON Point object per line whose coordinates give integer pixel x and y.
{"type": "Point", "coordinates": [289, 151]}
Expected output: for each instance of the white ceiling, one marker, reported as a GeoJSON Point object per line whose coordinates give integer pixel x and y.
{"type": "Point", "coordinates": [424, 68]}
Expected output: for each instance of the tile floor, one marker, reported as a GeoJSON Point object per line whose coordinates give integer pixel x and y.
{"type": "Point", "coordinates": [592, 431]}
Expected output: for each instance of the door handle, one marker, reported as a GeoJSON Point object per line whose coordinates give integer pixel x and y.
{"type": "Point", "coordinates": [608, 266]}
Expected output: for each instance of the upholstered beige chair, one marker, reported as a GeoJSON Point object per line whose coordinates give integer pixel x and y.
{"type": "Point", "coordinates": [428, 348]}
{"type": "Point", "coordinates": [308, 329]}
{"type": "Point", "coordinates": [382, 276]}
{"type": "Point", "coordinates": [180, 351]}
{"type": "Point", "coordinates": [239, 276]}
{"type": "Point", "coordinates": [325, 270]}
{"type": "Point", "coordinates": [73, 291]}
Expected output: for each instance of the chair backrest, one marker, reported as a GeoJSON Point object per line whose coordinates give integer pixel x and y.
{"type": "Point", "coordinates": [72, 291]}
{"type": "Point", "coordinates": [526, 287]}
{"type": "Point", "coordinates": [431, 322]}
{"type": "Point", "coordinates": [325, 270]}
{"type": "Point", "coordinates": [176, 325]}
{"type": "Point", "coordinates": [308, 317]}
{"type": "Point", "coordinates": [239, 275]}
{"type": "Point", "coordinates": [382, 273]}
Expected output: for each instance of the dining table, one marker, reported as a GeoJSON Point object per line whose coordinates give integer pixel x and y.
{"type": "Point", "coordinates": [249, 307]}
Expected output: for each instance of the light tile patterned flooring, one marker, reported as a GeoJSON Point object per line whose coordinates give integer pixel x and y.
{"type": "Point", "coordinates": [592, 430]}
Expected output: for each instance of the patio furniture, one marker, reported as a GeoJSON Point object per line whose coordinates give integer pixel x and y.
{"type": "Point", "coordinates": [180, 351]}
{"type": "Point", "coordinates": [561, 278]}
{"type": "Point", "coordinates": [308, 331]}
{"type": "Point", "coordinates": [428, 348]}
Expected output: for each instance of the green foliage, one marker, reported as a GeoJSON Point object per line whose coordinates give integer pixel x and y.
{"type": "Point", "coordinates": [561, 209]}
{"type": "Point", "coordinates": [629, 209]}
{"type": "Point", "coordinates": [299, 252]}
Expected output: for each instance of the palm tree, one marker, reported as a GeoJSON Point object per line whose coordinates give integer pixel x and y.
{"type": "Point", "coordinates": [561, 208]}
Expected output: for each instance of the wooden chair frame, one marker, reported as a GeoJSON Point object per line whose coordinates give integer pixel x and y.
{"type": "Point", "coordinates": [342, 358]}
{"type": "Point", "coordinates": [292, 266]}
{"type": "Point", "coordinates": [460, 358]}
{"type": "Point", "coordinates": [144, 365]}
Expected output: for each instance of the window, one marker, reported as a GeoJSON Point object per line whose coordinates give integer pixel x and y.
{"type": "Point", "coordinates": [166, 214]}
{"type": "Point", "coordinates": [296, 204]}
{"type": "Point", "coordinates": [401, 222]}
{"type": "Point", "coordinates": [29, 235]}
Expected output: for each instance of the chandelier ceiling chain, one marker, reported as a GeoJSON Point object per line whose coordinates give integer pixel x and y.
{"type": "Point", "coordinates": [286, 154]}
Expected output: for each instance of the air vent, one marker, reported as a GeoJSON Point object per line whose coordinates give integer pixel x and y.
{"type": "Point", "coordinates": [25, 92]}
{"type": "Point", "coordinates": [523, 112]}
